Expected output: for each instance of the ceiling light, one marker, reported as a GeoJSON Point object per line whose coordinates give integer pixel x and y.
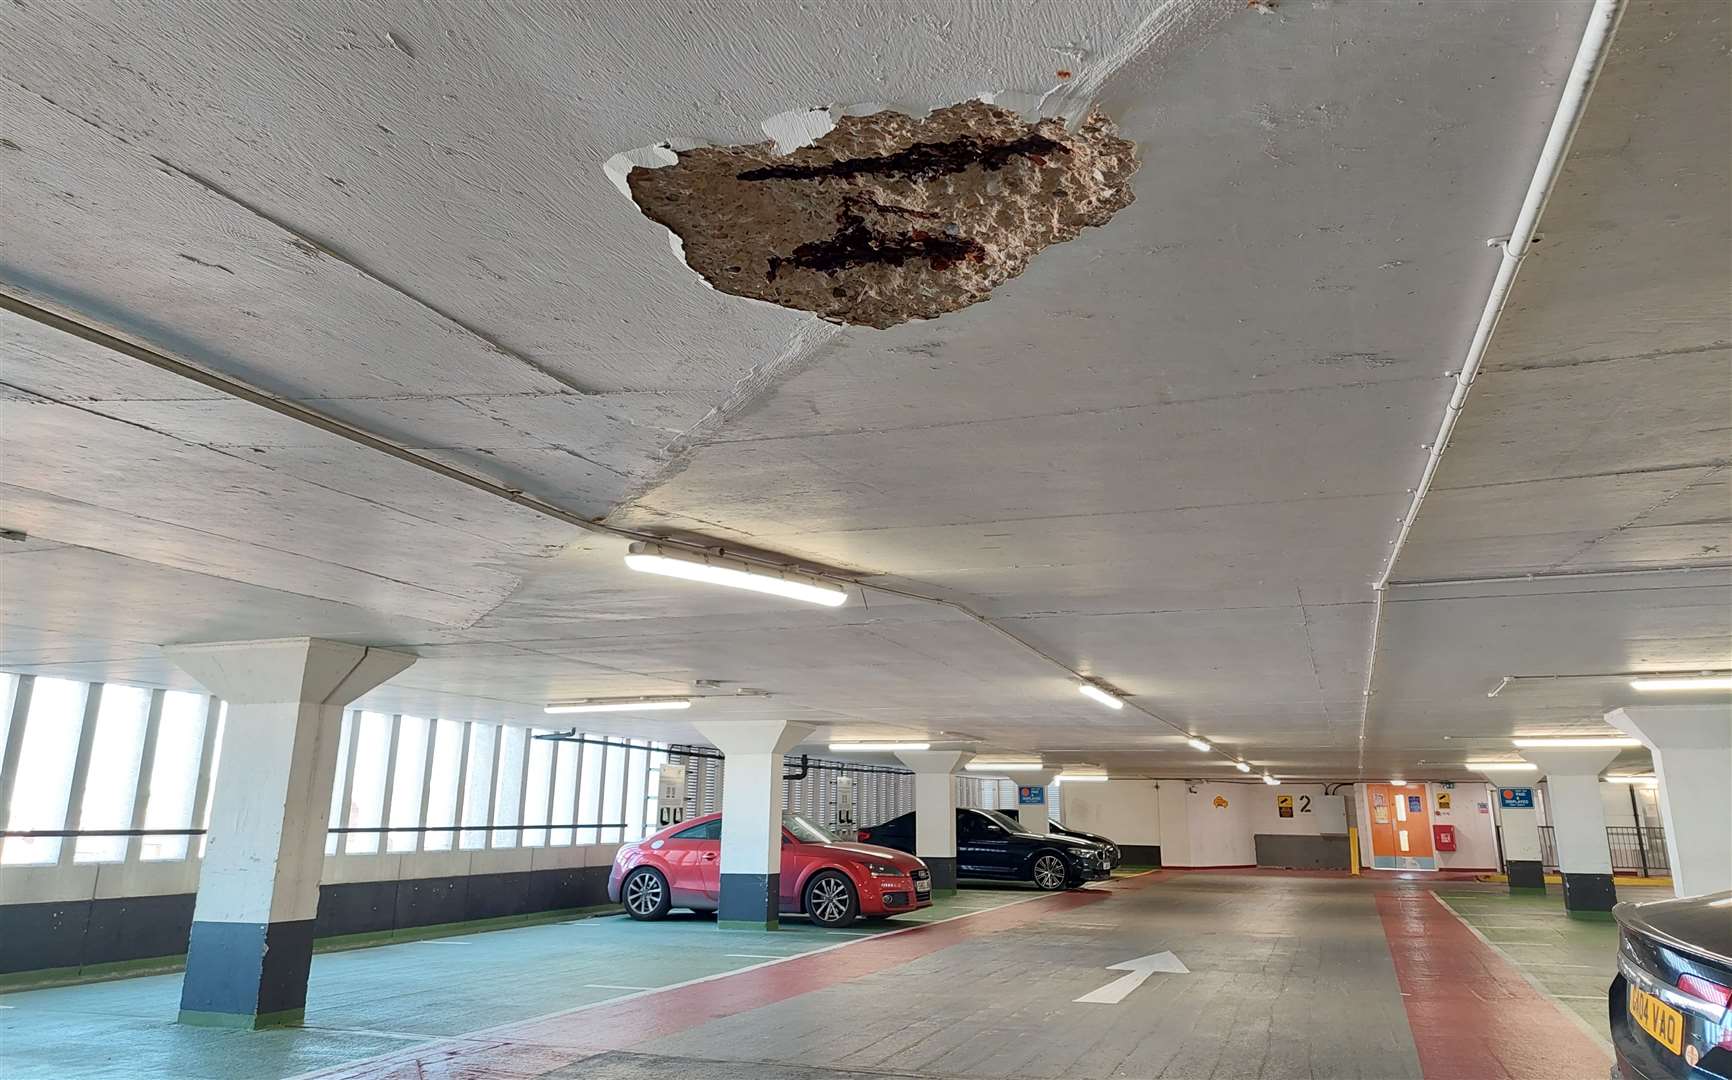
{"type": "Point", "coordinates": [1267, 779]}
{"type": "Point", "coordinates": [871, 747]}
{"type": "Point", "coordinates": [1648, 780]}
{"type": "Point", "coordinates": [1090, 690]}
{"type": "Point", "coordinates": [1003, 766]}
{"type": "Point", "coordinates": [1082, 777]}
{"type": "Point", "coordinates": [1398, 783]}
{"type": "Point", "coordinates": [1198, 744]}
{"type": "Point", "coordinates": [1569, 744]}
{"type": "Point", "coordinates": [1691, 682]}
{"type": "Point", "coordinates": [646, 704]}
{"type": "Point", "coordinates": [1241, 766]}
{"type": "Point", "coordinates": [734, 573]}
{"type": "Point", "coordinates": [1500, 766]}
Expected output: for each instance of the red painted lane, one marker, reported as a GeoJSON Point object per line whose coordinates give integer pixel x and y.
{"type": "Point", "coordinates": [531, 1048]}
{"type": "Point", "coordinates": [1472, 1014]}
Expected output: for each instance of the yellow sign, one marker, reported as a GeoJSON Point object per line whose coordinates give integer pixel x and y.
{"type": "Point", "coordinates": [1221, 802]}
{"type": "Point", "coordinates": [1443, 800]}
{"type": "Point", "coordinates": [1284, 805]}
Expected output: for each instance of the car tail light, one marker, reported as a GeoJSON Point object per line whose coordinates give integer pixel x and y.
{"type": "Point", "coordinates": [1707, 991]}
{"type": "Point", "coordinates": [864, 834]}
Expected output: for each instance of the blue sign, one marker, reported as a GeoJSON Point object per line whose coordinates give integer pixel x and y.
{"type": "Point", "coordinates": [1516, 798]}
{"type": "Point", "coordinates": [1031, 795]}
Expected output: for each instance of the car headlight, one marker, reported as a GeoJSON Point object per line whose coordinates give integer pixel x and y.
{"type": "Point", "coordinates": [881, 870]}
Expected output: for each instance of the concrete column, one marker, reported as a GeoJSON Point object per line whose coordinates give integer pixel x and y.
{"type": "Point", "coordinates": [1692, 748]}
{"type": "Point", "coordinates": [1579, 824]}
{"type": "Point", "coordinates": [1034, 817]}
{"type": "Point", "coordinates": [258, 891]}
{"type": "Point", "coordinates": [935, 812]}
{"type": "Point", "coordinates": [1521, 844]}
{"type": "Point", "coordinates": [751, 874]}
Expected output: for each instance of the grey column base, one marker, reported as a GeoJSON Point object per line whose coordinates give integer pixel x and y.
{"type": "Point", "coordinates": [1526, 875]}
{"type": "Point", "coordinates": [1589, 895]}
{"type": "Point", "coordinates": [750, 902]}
{"type": "Point", "coordinates": [250, 975]}
{"type": "Point", "coordinates": [943, 874]}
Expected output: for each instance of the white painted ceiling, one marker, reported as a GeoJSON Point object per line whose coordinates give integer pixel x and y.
{"type": "Point", "coordinates": [1172, 454]}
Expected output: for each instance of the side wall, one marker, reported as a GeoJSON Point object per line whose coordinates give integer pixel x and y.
{"type": "Point", "coordinates": [1128, 812]}
{"type": "Point", "coordinates": [93, 914]}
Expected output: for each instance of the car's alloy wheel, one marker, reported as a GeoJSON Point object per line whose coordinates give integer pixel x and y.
{"type": "Point", "coordinates": [1050, 872]}
{"type": "Point", "coordinates": [645, 895]}
{"type": "Point", "coordinates": [830, 900]}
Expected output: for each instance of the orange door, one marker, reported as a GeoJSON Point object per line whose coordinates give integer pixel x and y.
{"type": "Point", "coordinates": [1400, 827]}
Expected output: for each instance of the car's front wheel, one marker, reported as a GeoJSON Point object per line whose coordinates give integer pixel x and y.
{"type": "Point", "coordinates": [831, 900]}
{"type": "Point", "coordinates": [645, 894]}
{"type": "Point", "coordinates": [1050, 873]}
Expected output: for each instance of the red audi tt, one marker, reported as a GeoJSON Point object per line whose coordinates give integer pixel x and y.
{"type": "Point", "coordinates": [829, 882]}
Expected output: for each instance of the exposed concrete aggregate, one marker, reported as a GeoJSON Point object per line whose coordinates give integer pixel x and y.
{"type": "Point", "coordinates": [889, 217]}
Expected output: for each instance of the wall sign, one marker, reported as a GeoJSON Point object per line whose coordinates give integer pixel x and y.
{"type": "Point", "coordinates": [1284, 805]}
{"type": "Point", "coordinates": [1220, 802]}
{"type": "Point", "coordinates": [1443, 800]}
{"type": "Point", "coordinates": [1515, 798]}
{"type": "Point", "coordinates": [1415, 804]}
{"type": "Point", "coordinates": [1031, 795]}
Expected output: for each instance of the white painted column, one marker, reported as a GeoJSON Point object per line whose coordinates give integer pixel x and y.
{"type": "Point", "coordinates": [252, 931]}
{"type": "Point", "coordinates": [935, 812]}
{"type": "Point", "coordinates": [1520, 826]}
{"type": "Point", "coordinates": [1033, 817]}
{"type": "Point", "coordinates": [1579, 824]}
{"type": "Point", "coordinates": [751, 868]}
{"type": "Point", "coordinates": [1692, 748]}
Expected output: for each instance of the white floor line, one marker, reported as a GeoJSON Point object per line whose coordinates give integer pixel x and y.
{"type": "Point", "coordinates": [484, 1032]}
{"type": "Point", "coordinates": [408, 1036]}
{"type": "Point", "coordinates": [1604, 1043]}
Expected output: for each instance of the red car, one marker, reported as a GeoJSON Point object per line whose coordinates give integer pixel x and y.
{"type": "Point", "coordinates": [829, 882]}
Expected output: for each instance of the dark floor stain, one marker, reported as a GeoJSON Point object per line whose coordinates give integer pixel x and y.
{"type": "Point", "coordinates": [922, 161]}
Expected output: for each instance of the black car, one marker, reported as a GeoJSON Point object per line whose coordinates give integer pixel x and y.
{"type": "Point", "coordinates": [1668, 1005]}
{"type": "Point", "coordinates": [991, 845]}
{"type": "Point", "coordinates": [1114, 856]}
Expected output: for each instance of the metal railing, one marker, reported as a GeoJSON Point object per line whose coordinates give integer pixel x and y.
{"type": "Point", "coordinates": [1638, 850]}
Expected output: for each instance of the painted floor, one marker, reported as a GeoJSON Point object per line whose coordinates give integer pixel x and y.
{"type": "Point", "coordinates": [1275, 976]}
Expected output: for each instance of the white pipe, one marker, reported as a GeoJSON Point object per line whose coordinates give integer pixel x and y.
{"type": "Point", "coordinates": [1590, 59]}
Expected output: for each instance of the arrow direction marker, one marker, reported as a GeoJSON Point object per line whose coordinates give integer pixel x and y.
{"type": "Point", "coordinates": [1140, 969]}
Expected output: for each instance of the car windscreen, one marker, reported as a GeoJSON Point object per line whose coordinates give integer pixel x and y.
{"type": "Point", "coordinates": [1001, 820]}
{"type": "Point", "coordinates": [804, 831]}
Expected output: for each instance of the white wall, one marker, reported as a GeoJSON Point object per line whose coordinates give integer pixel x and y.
{"type": "Point", "coordinates": [1264, 816]}
{"type": "Point", "coordinates": [1124, 811]}
{"type": "Point", "coordinates": [1175, 827]}
{"type": "Point", "coordinates": [1475, 832]}
{"type": "Point", "coordinates": [1196, 832]}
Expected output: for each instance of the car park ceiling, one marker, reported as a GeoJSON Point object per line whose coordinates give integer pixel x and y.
{"type": "Point", "coordinates": [1172, 453]}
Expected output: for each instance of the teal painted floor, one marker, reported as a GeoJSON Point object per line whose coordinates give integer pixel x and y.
{"type": "Point", "coordinates": [1571, 960]}
{"type": "Point", "coordinates": [370, 1001]}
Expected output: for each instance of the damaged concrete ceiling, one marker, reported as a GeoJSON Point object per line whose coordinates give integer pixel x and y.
{"type": "Point", "coordinates": [1172, 451]}
{"type": "Point", "coordinates": [889, 217]}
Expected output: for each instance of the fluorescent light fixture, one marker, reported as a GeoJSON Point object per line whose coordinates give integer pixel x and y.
{"type": "Point", "coordinates": [1004, 766]}
{"type": "Point", "coordinates": [1501, 766]}
{"type": "Point", "coordinates": [1573, 744]}
{"type": "Point", "coordinates": [734, 573]}
{"type": "Point", "coordinates": [1090, 690]}
{"type": "Point", "coordinates": [1082, 777]}
{"type": "Point", "coordinates": [1198, 744]}
{"type": "Point", "coordinates": [1398, 783]}
{"type": "Point", "coordinates": [1688, 682]}
{"type": "Point", "coordinates": [1241, 766]}
{"type": "Point", "coordinates": [648, 704]}
{"type": "Point", "coordinates": [1267, 779]}
{"type": "Point", "coordinates": [871, 747]}
{"type": "Point", "coordinates": [1647, 781]}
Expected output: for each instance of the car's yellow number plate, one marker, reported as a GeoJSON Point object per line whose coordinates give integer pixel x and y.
{"type": "Point", "coordinates": [1658, 1019]}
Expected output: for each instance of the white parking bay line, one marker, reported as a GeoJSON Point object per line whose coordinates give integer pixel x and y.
{"type": "Point", "coordinates": [610, 986]}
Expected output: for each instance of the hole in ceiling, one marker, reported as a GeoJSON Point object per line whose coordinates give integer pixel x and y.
{"type": "Point", "coordinates": [887, 217]}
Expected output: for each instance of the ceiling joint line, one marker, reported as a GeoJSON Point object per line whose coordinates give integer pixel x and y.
{"type": "Point", "coordinates": [1585, 71]}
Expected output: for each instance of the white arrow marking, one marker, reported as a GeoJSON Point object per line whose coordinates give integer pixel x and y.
{"type": "Point", "coordinates": [1140, 969]}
